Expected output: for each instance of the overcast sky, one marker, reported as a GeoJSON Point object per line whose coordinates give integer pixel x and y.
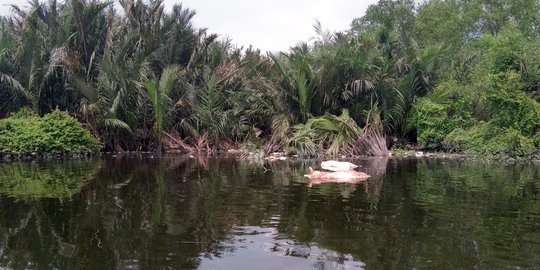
{"type": "Point", "coordinates": [269, 25]}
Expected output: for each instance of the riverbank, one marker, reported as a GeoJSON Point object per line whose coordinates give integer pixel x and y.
{"type": "Point", "coordinates": [261, 156]}
{"type": "Point", "coordinates": [25, 136]}
{"type": "Point", "coordinates": [469, 156]}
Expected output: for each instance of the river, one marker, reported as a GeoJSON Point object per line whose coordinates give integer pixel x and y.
{"type": "Point", "coordinates": [172, 212]}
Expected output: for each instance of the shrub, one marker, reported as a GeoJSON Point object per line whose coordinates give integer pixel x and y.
{"type": "Point", "coordinates": [490, 115]}
{"type": "Point", "coordinates": [512, 107]}
{"type": "Point", "coordinates": [449, 106]}
{"type": "Point", "coordinates": [489, 140]}
{"type": "Point", "coordinates": [55, 133]}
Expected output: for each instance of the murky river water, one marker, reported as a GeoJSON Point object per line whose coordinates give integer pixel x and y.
{"type": "Point", "coordinates": [174, 212]}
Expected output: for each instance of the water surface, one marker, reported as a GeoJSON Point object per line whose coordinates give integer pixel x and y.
{"type": "Point", "coordinates": [137, 212]}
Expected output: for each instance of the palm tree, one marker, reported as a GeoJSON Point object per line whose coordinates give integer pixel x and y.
{"type": "Point", "coordinates": [10, 88]}
{"type": "Point", "coordinates": [298, 78]}
{"type": "Point", "coordinates": [158, 92]}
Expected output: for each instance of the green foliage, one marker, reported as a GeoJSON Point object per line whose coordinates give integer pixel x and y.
{"type": "Point", "coordinates": [513, 108]}
{"type": "Point", "coordinates": [431, 122]}
{"type": "Point", "coordinates": [488, 114]}
{"type": "Point", "coordinates": [439, 22]}
{"type": "Point", "coordinates": [536, 140]}
{"type": "Point", "coordinates": [304, 142]}
{"type": "Point", "coordinates": [445, 109]}
{"type": "Point", "coordinates": [328, 132]}
{"type": "Point", "coordinates": [55, 133]}
{"type": "Point", "coordinates": [456, 122]}
{"type": "Point", "coordinates": [429, 68]}
{"type": "Point", "coordinates": [489, 140]}
{"type": "Point", "coordinates": [159, 92]}
{"type": "Point", "coordinates": [299, 76]}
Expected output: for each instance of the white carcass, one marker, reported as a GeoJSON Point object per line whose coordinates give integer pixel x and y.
{"type": "Point", "coordinates": [337, 166]}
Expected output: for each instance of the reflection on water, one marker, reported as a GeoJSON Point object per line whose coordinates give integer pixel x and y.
{"type": "Point", "coordinates": [36, 180]}
{"type": "Point", "coordinates": [261, 248]}
{"type": "Point", "coordinates": [180, 213]}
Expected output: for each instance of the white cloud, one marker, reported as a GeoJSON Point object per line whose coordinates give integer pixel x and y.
{"type": "Point", "coordinates": [277, 24]}
{"type": "Point", "coordinates": [269, 25]}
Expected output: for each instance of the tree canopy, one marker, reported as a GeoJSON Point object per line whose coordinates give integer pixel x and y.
{"type": "Point", "coordinates": [434, 73]}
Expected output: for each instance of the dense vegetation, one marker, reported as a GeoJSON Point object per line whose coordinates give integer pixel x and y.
{"type": "Point", "coordinates": [56, 133]}
{"type": "Point", "coordinates": [446, 74]}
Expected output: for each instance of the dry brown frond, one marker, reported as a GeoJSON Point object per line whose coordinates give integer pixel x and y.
{"type": "Point", "coordinates": [174, 141]}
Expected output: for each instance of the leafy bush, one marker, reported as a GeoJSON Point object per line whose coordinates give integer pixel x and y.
{"type": "Point", "coordinates": [55, 133]}
{"type": "Point", "coordinates": [489, 140]}
{"type": "Point", "coordinates": [431, 123]}
{"type": "Point", "coordinates": [446, 108]}
{"type": "Point", "coordinates": [489, 112]}
{"type": "Point", "coordinates": [536, 140]}
{"type": "Point", "coordinates": [512, 107]}
{"type": "Point", "coordinates": [490, 117]}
